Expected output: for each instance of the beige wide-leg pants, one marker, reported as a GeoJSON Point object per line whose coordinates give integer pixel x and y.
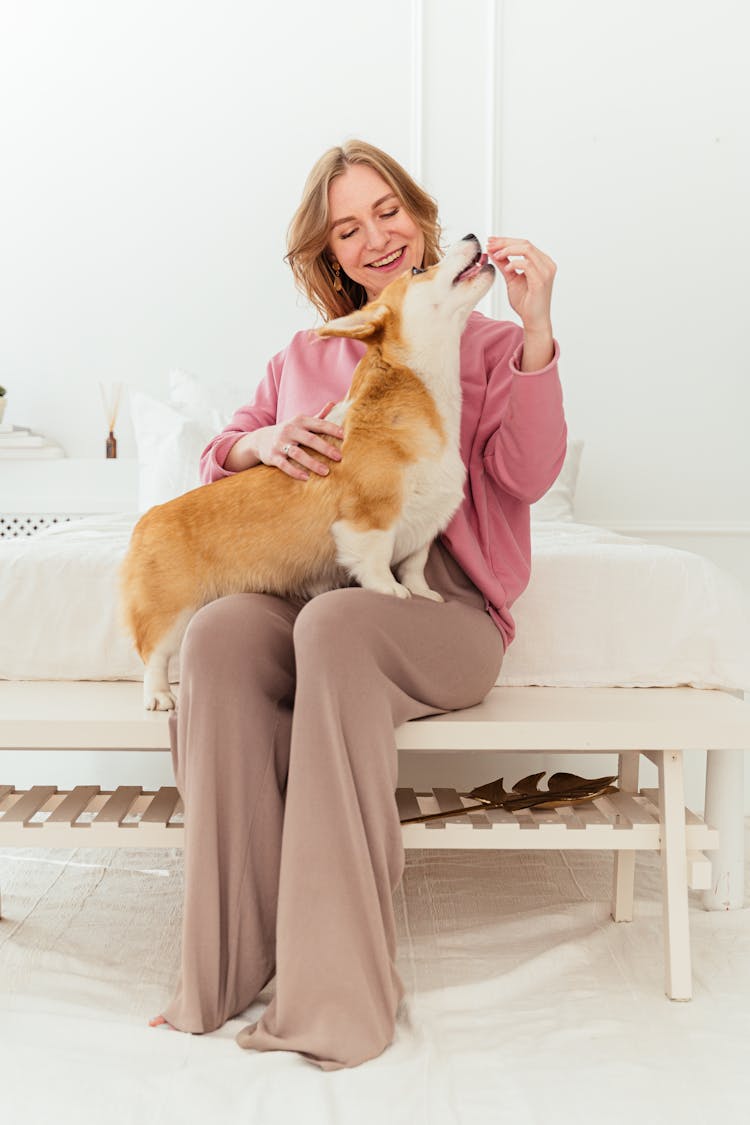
{"type": "Point", "coordinates": [284, 754]}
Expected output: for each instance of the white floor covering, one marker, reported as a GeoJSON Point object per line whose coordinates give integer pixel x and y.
{"type": "Point", "coordinates": [525, 1002]}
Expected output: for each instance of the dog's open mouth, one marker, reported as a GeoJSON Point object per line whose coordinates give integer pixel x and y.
{"type": "Point", "coordinates": [476, 264]}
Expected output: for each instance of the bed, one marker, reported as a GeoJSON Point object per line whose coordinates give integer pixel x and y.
{"type": "Point", "coordinates": [601, 610]}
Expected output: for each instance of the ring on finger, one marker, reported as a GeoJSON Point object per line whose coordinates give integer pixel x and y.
{"type": "Point", "coordinates": [289, 445]}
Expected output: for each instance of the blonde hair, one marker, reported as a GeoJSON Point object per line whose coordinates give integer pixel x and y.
{"type": "Point", "coordinates": [309, 230]}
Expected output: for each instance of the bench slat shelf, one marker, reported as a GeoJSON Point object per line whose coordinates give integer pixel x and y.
{"type": "Point", "coordinates": [89, 817]}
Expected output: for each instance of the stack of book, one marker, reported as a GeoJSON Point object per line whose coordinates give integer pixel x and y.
{"type": "Point", "coordinates": [19, 441]}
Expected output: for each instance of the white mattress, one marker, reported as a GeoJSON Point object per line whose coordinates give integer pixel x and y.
{"type": "Point", "coordinates": [601, 609]}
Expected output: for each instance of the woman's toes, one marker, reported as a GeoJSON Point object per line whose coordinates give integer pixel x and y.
{"type": "Point", "coordinates": [159, 1021]}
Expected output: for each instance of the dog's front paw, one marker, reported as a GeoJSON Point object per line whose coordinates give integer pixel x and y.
{"type": "Point", "coordinates": [393, 588]}
{"type": "Point", "coordinates": [159, 701]}
{"type": "Point", "coordinates": [426, 592]}
{"type": "Point", "coordinates": [420, 589]}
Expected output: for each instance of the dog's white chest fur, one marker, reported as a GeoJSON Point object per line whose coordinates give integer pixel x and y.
{"type": "Point", "coordinates": [433, 488]}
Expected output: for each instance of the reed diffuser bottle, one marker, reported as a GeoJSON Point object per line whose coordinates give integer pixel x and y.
{"type": "Point", "coordinates": [111, 403]}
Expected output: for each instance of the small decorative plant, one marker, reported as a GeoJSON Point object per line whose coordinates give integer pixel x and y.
{"type": "Point", "coordinates": [2, 391]}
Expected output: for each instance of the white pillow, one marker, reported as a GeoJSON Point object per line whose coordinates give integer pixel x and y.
{"type": "Point", "coordinates": [170, 436]}
{"type": "Point", "coordinates": [558, 502]}
{"type": "Point", "coordinates": [169, 445]}
{"type": "Point", "coordinates": [213, 406]}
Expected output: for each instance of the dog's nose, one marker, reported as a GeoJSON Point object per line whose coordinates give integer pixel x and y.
{"type": "Point", "coordinates": [470, 238]}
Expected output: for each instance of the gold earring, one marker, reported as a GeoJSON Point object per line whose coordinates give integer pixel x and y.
{"type": "Point", "coordinates": [336, 267]}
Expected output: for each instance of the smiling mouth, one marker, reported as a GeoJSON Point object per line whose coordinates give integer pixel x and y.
{"type": "Point", "coordinates": [389, 260]}
{"type": "Point", "coordinates": [475, 266]}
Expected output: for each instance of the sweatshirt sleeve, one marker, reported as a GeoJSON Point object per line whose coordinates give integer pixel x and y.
{"type": "Point", "coordinates": [256, 414]}
{"type": "Point", "coordinates": [526, 451]}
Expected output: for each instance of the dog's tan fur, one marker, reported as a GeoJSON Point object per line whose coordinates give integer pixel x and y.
{"type": "Point", "coordinates": [234, 535]}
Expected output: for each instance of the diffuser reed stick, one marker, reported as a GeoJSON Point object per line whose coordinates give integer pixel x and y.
{"type": "Point", "coordinates": [111, 404]}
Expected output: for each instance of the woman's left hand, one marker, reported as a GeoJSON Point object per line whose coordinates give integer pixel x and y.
{"type": "Point", "coordinates": [529, 292]}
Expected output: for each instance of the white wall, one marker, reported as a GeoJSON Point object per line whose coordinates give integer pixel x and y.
{"type": "Point", "coordinates": [154, 154]}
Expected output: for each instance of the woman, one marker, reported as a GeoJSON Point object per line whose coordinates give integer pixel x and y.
{"type": "Point", "coordinates": [282, 743]}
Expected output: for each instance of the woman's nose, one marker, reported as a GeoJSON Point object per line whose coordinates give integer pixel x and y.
{"type": "Point", "coordinates": [376, 238]}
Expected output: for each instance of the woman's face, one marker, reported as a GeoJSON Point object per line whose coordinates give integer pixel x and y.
{"type": "Point", "coordinates": [371, 235]}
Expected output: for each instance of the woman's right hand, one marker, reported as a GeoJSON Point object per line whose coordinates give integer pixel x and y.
{"type": "Point", "coordinates": [304, 429]}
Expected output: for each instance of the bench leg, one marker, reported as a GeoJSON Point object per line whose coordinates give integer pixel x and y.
{"type": "Point", "coordinates": [678, 983]}
{"type": "Point", "coordinates": [723, 809]}
{"type": "Point", "coordinates": [623, 883]}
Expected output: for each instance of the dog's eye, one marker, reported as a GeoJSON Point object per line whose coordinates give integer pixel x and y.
{"type": "Point", "coordinates": [415, 270]}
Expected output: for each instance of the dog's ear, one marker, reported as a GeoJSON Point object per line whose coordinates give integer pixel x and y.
{"type": "Point", "coordinates": [358, 325]}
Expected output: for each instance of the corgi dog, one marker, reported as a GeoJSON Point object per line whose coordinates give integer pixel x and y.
{"type": "Point", "coordinates": [400, 480]}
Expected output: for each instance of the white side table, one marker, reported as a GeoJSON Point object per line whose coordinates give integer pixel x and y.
{"type": "Point", "coordinates": [35, 493]}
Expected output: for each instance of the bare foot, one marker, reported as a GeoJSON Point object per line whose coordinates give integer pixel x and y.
{"type": "Point", "coordinates": [159, 1021]}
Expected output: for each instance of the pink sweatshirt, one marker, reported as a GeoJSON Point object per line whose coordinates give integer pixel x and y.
{"type": "Point", "coordinates": [513, 442]}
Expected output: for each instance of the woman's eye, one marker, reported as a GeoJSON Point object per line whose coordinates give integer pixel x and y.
{"type": "Point", "coordinates": [385, 215]}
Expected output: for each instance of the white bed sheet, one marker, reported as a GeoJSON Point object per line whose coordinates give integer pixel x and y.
{"type": "Point", "coordinates": [601, 609]}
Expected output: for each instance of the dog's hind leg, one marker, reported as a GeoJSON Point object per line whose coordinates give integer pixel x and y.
{"type": "Point", "coordinates": [367, 556]}
{"type": "Point", "coordinates": [410, 572]}
{"type": "Point", "coordinates": [157, 694]}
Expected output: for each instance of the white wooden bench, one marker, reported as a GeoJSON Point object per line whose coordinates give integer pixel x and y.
{"type": "Point", "coordinates": [660, 723]}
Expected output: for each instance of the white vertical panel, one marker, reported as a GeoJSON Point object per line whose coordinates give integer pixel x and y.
{"type": "Point", "coordinates": [494, 136]}
{"type": "Point", "coordinates": [461, 120]}
{"type": "Point", "coordinates": [454, 92]}
{"type": "Point", "coordinates": [417, 87]}
{"type": "Point", "coordinates": [627, 160]}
